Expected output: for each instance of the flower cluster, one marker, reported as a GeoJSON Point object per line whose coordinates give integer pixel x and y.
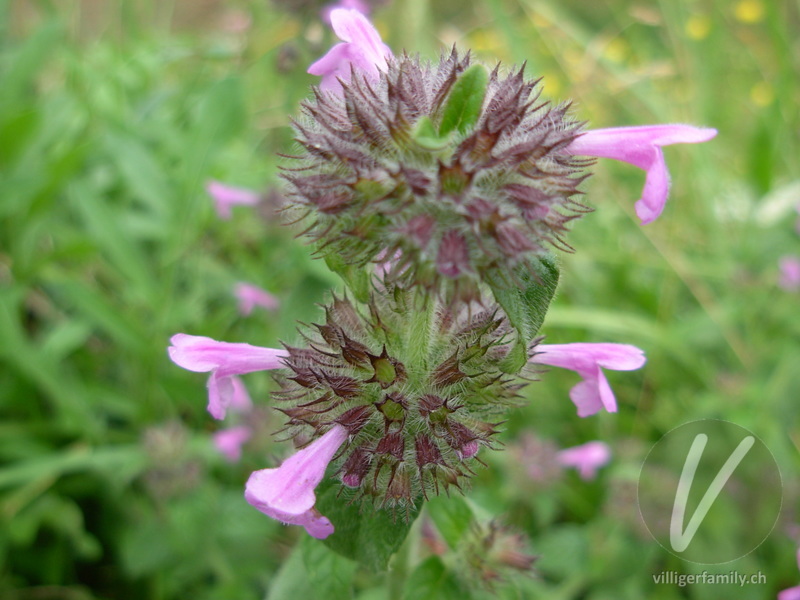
{"type": "Point", "coordinates": [417, 399]}
{"type": "Point", "coordinates": [424, 182]}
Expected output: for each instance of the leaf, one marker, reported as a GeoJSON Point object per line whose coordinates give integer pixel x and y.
{"type": "Point", "coordinates": [465, 101]}
{"type": "Point", "coordinates": [425, 135]}
{"type": "Point", "coordinates": [526, 305]}
{"type": "Point", "coordinates": [357, 279]}
{"type": "Point", "coordinates": [432, 581]}
{"type": "Point", "coordinates": [30, 57]}
{"type": "Point", "coordinates": [365, 534]}
{"type": "Point", "coordinates": [452, 517]}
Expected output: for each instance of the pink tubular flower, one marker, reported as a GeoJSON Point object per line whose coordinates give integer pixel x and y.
{"type": "Point", "coordinates": [789, 278]}
{"type": "Point", "coordinates": [361, 50]}
{"type": "Point", "coordinates": [223, 360]}
{"type": "Point", "coordinates": [225, 197]}
{"type": "Point", "coordinates": [792, 593]}
{"type": "Point", "coordinates": [593, 393]}
{"type": "Point", "coordinates": [586, 458]}
{"type": "Point", "coordinates": [287, 493]}
{"type": "Point", "coordinates": [250, 296]}
{"type": "Point", "coordinates": [230, 441]}
{"type": "Point", "coordinates": [641, 147]}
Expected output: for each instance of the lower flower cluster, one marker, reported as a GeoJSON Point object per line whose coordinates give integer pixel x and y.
{"type": "Point", "coordinates": [413, 382]}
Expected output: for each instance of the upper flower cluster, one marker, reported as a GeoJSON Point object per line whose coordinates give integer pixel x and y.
{"type": "Point", "coordinates": [395, 165]}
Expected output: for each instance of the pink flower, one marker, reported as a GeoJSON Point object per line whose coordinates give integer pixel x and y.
{"type": "Point", "coordinates": [792, 593]}
{"type": "Point", "coordinates": [287, 493]}
{"type": "Point", "coordinates": [359, 5]}
{"type": "Point", "coordinates": [593, 393]}
{"type": "Point", "coordinates": [250, 296]}
{"type": "Point", "coordinates": [223, 360]}
{"type": "Point", "coordinates": [225, 197]}
{"type": "Point", "coordinates": [362, 50]}
{"type": "Point", "coordinates": [587, 458]}
{"type": "Point", "coordinates": [641, 147]}
{"type": "Point", "coordinates": [230, 441]}
{"type": "Point", "coordinates": [789, 278]}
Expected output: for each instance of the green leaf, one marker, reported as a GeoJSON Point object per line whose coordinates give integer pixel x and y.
{"type": "Point", "coordinates": [526, 304]}
{"type": "Point", "coordinates": [452, 517]}
{"type": "Point", "coordinates": [465, 101]}
{"type": "Point", "coordinates": [357, 279]}
{"type": "Point", "coordinates": [313, 571]}
{"type": "Point", "coordinates": [432, 581]}
{"type": "Point", "coordinates": [365, 534]}
{"type": "Point", "coordinates": [28, 60]}
{"type": "Point", "coordinates": [425, 135]}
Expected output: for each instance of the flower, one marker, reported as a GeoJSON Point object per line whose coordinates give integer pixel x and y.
{"type": "Point", "coordinates": [586, 458]}
{"type": "Point", "coordinates": [287, 492]}
{"type": "Point", "coordinates": [226, 196]}
{"type": "Point", "coordinates": [789, 278]}
{"type": "Point", "coordinates": [792, 593]}
{"type": "Point", "coordinates": [593, 393]}
{"type": "Point", "coordinates": [230, 441]}
{"type": "Point", "coordinates": [223, 360]}
{"type": "Point", "coordinates": [361, 50]}
{"type": "Point", "coordinates": [363, 7]}
{"type": "Point", "coordinates": [250, 296]}
{"type": "Point", "coordinates": [407, 440]}
{"type": "Point", "coordinates": [641, 147]}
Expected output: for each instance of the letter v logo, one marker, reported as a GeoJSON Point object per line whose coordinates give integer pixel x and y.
{"type": "Point", "coordinates": [679, 538]}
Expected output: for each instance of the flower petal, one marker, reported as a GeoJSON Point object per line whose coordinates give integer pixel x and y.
{"type": "Point", "coordinates": [362, 50]}
{"type": "Point", "coordinates": [224, 360]}
{"type": "Point", "coordinates": [641, 147]}
{"type": "Point", "coordinates": [594, 393]}
{"type": "Point", "coordinates": [287, 492]}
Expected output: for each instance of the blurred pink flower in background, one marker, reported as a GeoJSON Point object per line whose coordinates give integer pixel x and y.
{"type": "Point", "coordinates": [594, 392]}
{"type": "Point", "coordinates": [287, 492]}
{"type": "Point", "coordinates": [249, 296]}
{"type": "Point", "coordinates": [226, 196]}
{"type": "Point", "coordinates": [230, 441]}
{"type": "Point", "coordinates": [586, 458]}
{"type": "Point", "coordinates": [789, 278]}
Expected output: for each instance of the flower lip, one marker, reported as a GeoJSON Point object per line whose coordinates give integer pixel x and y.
{"type": "Point", "coordinates": [641, 147]}
{"type": "Point", "coordinates": [287, 494]}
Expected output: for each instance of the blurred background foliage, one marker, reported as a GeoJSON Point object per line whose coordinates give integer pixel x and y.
{"type": "Point", "coordinates": [113, 116]}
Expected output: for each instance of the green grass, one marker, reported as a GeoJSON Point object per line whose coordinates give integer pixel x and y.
{"type": "Point", "coordinates": [109, 486]}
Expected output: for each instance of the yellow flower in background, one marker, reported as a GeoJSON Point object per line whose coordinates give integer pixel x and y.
{"type": "Point", "coordinates": [698, 27]}
{"type": "Point", "coordinates": [749, 11]}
